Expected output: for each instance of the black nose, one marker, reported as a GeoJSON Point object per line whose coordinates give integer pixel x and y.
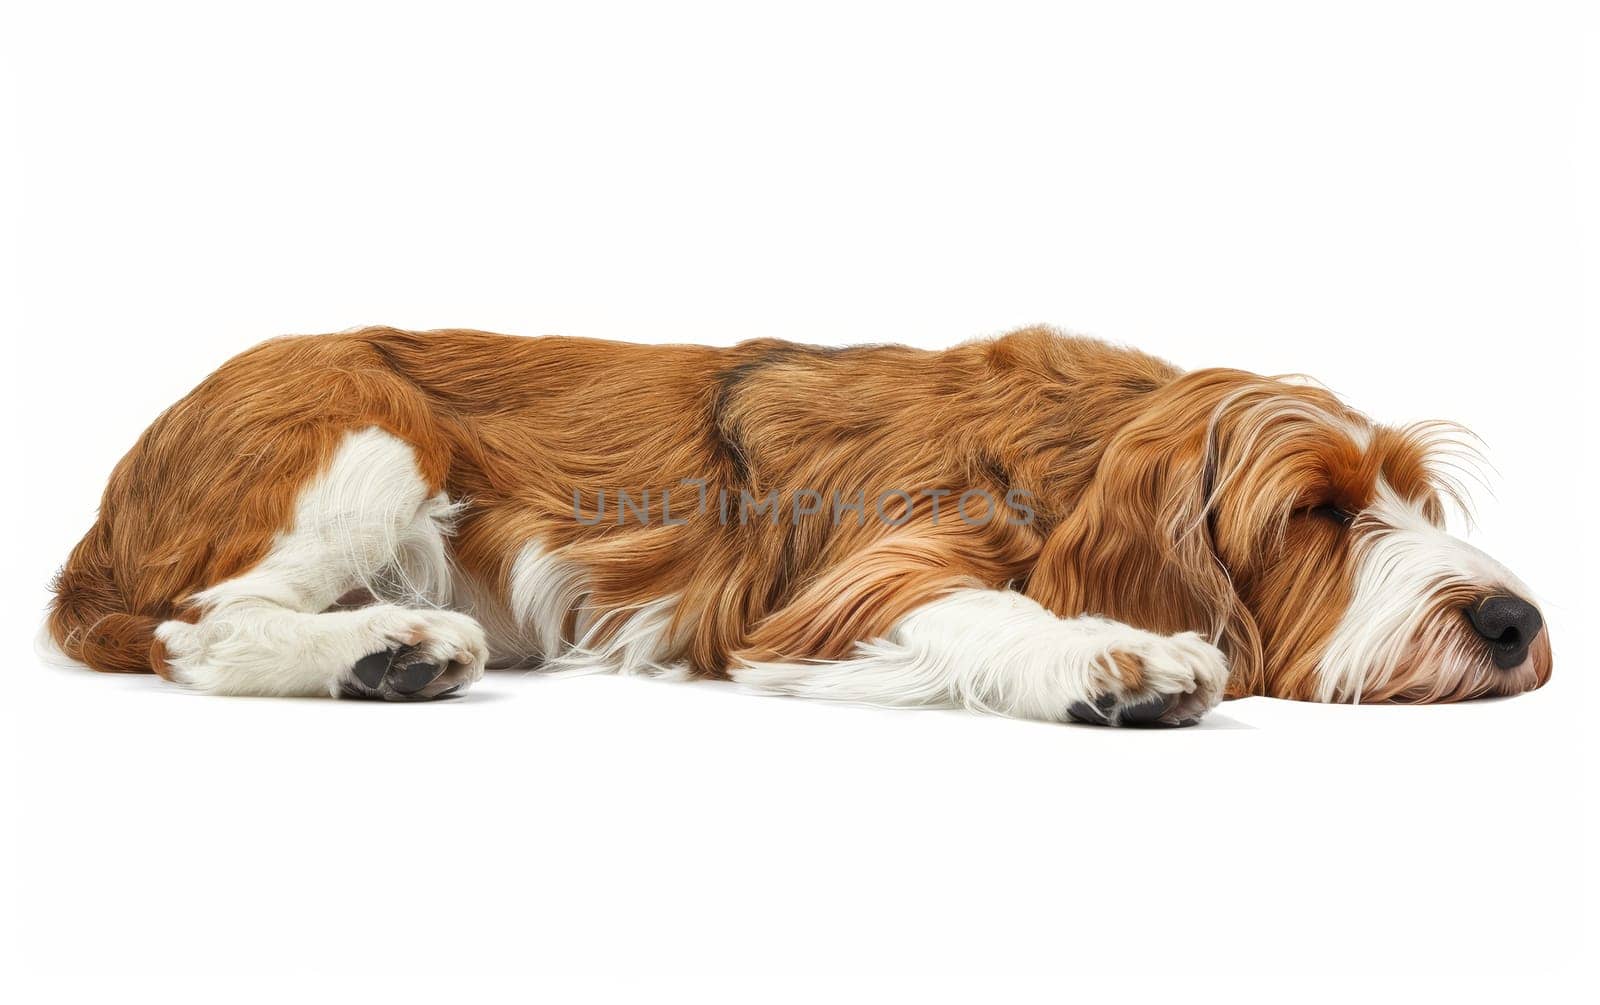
{"type": "Point", "coordinates": [1508, 624]}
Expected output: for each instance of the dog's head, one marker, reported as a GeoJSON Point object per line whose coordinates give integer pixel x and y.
{"type": "Point", "coordinates": [1305, 540]}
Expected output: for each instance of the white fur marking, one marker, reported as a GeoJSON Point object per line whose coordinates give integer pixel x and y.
{"type": "Point", "coordinates": [999, 651]}
{"type": "Point", "coordinates": [547, 591]}
{"type": "Point", "coordinates": [366, 521]}
{"type": "Point", "coordinates": [1403, 561]}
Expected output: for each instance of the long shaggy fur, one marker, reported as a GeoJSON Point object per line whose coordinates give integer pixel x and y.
{"type": "Point", "coordinates": [1169, 501]}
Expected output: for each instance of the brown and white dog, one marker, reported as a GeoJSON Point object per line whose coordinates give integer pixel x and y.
{"type": "Point", "coordinates": [1036, 525]}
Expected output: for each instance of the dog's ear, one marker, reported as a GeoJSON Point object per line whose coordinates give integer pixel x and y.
{"type": "Point", "coordinates": [1186, 498]}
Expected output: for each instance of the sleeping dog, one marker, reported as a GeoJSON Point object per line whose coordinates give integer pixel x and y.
{"type": "Point", "coordinates": [1036, 525]}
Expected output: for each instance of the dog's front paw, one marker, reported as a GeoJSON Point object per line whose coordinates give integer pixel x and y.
{"type": "Point", "coordinates": [1154, 680]}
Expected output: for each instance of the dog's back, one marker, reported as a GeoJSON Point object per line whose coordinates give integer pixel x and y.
{"type": "Point", "coordinates": [528, 432]}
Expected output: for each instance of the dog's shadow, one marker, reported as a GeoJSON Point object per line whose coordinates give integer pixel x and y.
{"type": "Point", "coordinates": [1216, 720]}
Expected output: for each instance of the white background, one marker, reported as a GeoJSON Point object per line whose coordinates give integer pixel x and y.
{"type": "Point", "coordinates": [1388, 196]}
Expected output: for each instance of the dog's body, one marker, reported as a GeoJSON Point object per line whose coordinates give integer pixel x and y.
{"type": "Point", "coordinates": [1037, 525]}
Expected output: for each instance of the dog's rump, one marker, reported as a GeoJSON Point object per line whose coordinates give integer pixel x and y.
{"type": "Point", "coordinates": [505, 422]}
{"type": "Point", "coordinates": [206, 489]}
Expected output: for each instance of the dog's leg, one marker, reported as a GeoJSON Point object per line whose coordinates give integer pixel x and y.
{"type": "Point", "coordinates": [999, 651]}
{"type": "Point", "coordinates": [366, 522]}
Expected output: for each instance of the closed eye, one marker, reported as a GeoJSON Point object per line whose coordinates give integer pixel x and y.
{"type": "Point", "coordinates": [1327, 511]}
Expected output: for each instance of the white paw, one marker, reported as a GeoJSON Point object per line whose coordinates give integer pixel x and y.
{"type": "Point", "coordinates": [421, 654]}
{"type": "Point", "coordinates": [1143, 679]}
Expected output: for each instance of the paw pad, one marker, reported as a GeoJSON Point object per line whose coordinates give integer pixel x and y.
{"type": "Point", "coordinates": [400, 674]}
{"type": "Point", "coordinates": [1146, 713]}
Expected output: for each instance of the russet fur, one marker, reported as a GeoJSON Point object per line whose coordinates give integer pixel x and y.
{"type": "Point", "coordinates": [436, 493]}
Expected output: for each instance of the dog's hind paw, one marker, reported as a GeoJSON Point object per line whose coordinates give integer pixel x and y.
{"type": "Point", "coordinates": [435, 654]}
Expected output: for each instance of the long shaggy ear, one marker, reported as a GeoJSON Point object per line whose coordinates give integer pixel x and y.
{"type": "Point", "coordinates": [1185, 499]}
